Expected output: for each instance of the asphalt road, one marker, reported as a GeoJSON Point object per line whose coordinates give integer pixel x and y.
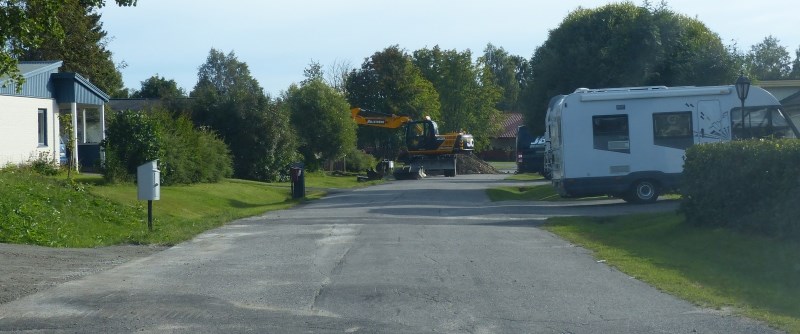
{"type": "Point", "coordinates": [405, 257]}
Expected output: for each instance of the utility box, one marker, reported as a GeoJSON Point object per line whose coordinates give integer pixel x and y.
{"type": "Point", "coordinates": [148, 179]}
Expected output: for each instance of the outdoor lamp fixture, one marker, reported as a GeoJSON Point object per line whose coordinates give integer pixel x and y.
{"type": "Point", "coordinates": [742, 89]}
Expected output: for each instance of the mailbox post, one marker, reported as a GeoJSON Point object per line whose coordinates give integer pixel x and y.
{"type": "Point", "coordinates": [148, 180]}
{"type": "Point", "coordinates": [298, 180]}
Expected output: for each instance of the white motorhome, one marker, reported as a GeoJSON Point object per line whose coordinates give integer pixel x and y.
{"type": "Point", "coordinates": [630, 142]}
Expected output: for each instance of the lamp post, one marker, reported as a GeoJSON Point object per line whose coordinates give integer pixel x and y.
{"type": "Point", "coordinates": [742, 89]}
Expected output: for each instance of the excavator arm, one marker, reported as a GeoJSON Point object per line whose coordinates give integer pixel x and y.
{"type": "Point", "coordinates": [386, 121]}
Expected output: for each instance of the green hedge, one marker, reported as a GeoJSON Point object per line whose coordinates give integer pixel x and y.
{"type": "Point", "coordinates": [751, 185]}
{"type": "Point", "coordinates": [186, 154]}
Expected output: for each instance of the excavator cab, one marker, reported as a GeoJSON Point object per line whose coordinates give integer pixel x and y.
{"type": "Point", "coordinates": [422, 136]}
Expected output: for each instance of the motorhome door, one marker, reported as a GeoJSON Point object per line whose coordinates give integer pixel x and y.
{"type": "Point", "coordinates": [713, 124]}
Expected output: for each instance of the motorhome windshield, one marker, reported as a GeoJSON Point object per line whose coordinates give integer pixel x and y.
{"type": "Point", "coordinates": [762, 122]}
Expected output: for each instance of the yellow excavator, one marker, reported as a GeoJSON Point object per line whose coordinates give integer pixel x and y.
{"type": "Point", "coordinates": [428, 151]}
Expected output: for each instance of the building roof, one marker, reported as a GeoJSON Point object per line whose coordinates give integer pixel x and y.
{"type": "Point", "coordinates": [510, 124]}
{"type": "Point", "coordinates": [133, 104]}
{"type": "Point", "coordinates": [781, 89]}
{"type": "Point", "coordinates": [31, 68]}
{"type": "Point", "coordinates": [42, 80]}
{"type": "Point", "coordinates": [72, 87]}
{"type": "Point", "coordinates": [37, 79]}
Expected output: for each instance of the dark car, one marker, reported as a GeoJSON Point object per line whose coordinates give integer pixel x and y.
{"type": "Point", "coordinates": [530, 152]}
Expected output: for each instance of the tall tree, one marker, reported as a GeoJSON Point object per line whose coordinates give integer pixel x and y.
{"type": "Point", "coordinates": [467, 92]}
{"type": "Point", "coordinates": [768, 60]}
{"type": "Point", "coordinates": [388, 82]}
{"type": "Point", "coordinates": [620, 45]}
{"type": "Point", "coordinates": [257, 130]}
{"type": "Point", "coordinates": [157, 87]}
{"type": "Point", "coordinates": [28, 24]}
{"type": "Point", "coordinates": [795, 74]}
{"type": "Point", "coordinates": [509, 74]}
{"type": "Point", "coordinates": [321, 117]}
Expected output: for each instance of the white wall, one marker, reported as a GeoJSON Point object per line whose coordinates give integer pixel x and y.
{"type": "Point", "coordinates": [19, 133]}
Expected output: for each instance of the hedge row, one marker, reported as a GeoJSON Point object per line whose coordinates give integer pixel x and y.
{"type": "Point", "coordinates": [751, 185]}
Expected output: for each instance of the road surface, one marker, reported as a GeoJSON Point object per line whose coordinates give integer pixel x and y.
{"type": "Point", "coordinates": [426, 256]}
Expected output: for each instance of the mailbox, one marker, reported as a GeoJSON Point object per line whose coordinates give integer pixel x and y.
{"type": "Point", "coordinates": [148, 179]}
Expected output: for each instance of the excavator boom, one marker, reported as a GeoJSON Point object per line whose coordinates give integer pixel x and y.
{"type": "Point", "coordinates": [387, 121]}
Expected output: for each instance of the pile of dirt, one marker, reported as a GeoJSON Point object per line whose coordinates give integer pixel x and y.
{"type": "Point", "coordinates": [471, 164]}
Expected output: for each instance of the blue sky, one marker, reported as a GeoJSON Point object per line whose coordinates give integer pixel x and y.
{"type": "Point", "coordinates": [278, 39]}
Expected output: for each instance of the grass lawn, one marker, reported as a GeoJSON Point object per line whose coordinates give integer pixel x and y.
{"type": "Point", "coordinates": [51, 211]}
{"type": "Point", "coordinates": [754, 276]}
{"type": "Point", "coordinates": [544, 192]}
{"type": "Point", "coordinates": [526, 177]}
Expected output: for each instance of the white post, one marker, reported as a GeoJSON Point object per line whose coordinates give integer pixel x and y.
{"type": "Point", "coordinates": [103, 121]}
{"type": "Point", "coordinates": [74, 111]}
{"type": "Point", "coordinates": [83, 125]}
{"type": "Point", "coordinates": [102, 131]}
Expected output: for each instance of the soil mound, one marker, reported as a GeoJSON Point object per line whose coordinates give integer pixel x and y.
{"type": "Point", "coordinates": [471, 164]}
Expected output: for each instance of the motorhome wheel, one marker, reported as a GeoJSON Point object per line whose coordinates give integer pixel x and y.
{"type": "Point", "coordinates": [644, 191]}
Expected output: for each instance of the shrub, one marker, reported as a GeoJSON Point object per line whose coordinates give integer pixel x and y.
{"type": "Point", "coordinates": [749, 185]}
{"type": "Point", "coordinates": [357, 160]}
{"type": "Point", "coordinates": [44, 164]}
{"type": "Point", "coordinates": [191, 155]}
{"type": "Point", "coordinates": [186, 154]}
{"type": "Point", "coordinates": [132, 138]}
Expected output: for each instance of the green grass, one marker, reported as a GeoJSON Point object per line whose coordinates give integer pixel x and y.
{"type": "Point", "coordinates": [754, 276]}
{"type": "Point", "coordinates": [503, 164]}
{"type": "Point", "coordinates": [526, 177]}
{"type": "Point", "coordinates": [543, 192]}
{"type": "Point", "coordinates": [86, 212]}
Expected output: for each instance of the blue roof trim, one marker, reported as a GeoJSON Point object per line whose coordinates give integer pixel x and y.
{"type": "Point", "coordinates": [72, 87]}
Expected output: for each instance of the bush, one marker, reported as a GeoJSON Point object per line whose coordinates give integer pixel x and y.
{"type": "Point", "coordinates": [132, 138]}
{"type": "Point", "coordinates": [748, 185]}
{"type": "Point", "coordinates": [191, 155]}
{"type": "Point", "coordinates": [359, 161]}
{"type": "Point", "coordinates": [44, 164]}
{"type": "Point", "coordinates": [186, 154]}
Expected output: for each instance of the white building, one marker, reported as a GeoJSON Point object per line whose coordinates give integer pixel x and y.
{"type": "Point", "coordinates": [29, 124]}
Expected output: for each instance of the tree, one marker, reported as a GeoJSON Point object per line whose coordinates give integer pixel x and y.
{"type": "Point", "coordinates": [321, 117]}
{"type": "Point", "coordinates": [157, 87]}
{"type": "Point", "coordinates": [795, 74]}
{"type": "Point", "coordinates": [27, 24]}
{"type": "Point", "coordinates": [768, 60]}
{"type": "Point", "coordinates": [621, 45]}
{"type": "Point", "coordinates": [508, 72]}
{"type": "Point", "coordinates": [336, 75]}
{"type": "Point", "coordinates": [388, 82]}
{"type": "Point", "coordinates": [257, 130]}
{"type": "Point", "coordinates": [467, 92]}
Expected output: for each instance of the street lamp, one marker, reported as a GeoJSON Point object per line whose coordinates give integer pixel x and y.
{"type": "Point", "coordinates": [742, 88]}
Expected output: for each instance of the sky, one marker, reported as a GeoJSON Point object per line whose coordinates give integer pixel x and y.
{"type": "Point", "coordinates": [278, 39]}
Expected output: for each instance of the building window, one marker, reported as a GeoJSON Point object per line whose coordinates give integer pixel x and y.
{"type": "Point", "coordinates": [42, 127]}
{"type": "Point", "coordinates": [673, 129]}
{"type": "Point", "coordinates": [611, 133]}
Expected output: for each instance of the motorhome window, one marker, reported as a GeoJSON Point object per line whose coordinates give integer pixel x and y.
{"type": "Point", "coordinates": [761, 122]}
{"type": "Point", "coordinates": [611, 133]}
{"type": "Point", "coordinates": [673, 129]}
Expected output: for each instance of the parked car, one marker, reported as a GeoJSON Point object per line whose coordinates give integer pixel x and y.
{"type": "Point", "coordinates": [530, 152]}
